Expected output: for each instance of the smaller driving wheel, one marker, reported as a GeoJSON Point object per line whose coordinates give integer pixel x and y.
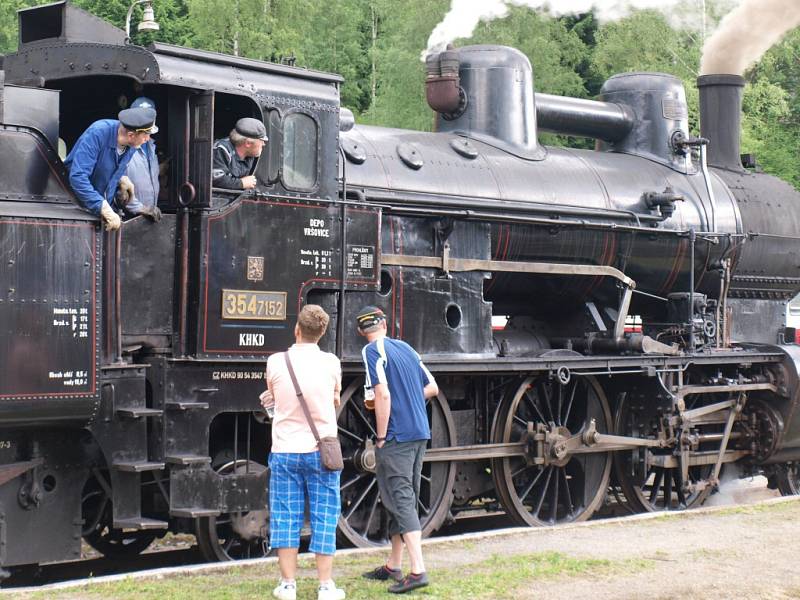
{"type": "Point", "coordinates": [787, 476]}
{"type": "Point", "coordinates": [647, 487]}
{"type": "Point", "coordinates": [98, 530]}
{"type": "Point", "coordinates": [234, 535]}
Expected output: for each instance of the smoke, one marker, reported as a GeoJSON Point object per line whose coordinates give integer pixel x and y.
{"type": "Point", "coordinates": [746, 33]}
{"type": "Point", "coordinates": [733, 490]}
{"type": "Point", "coordinates": [464, 15]}
{"type": "Point", "coordinates": [740, 40]}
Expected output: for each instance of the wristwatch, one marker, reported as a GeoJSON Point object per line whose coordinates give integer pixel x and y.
{"type": "Point", "coordinates": [383, 439]}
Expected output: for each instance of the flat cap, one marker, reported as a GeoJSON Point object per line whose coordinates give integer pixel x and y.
{"type": "Point", "coordinates": [140, 120]}
{"type": "Point", "coordinates": [251, 128]}
{"type": "Point", "coordinates": [368, 317]}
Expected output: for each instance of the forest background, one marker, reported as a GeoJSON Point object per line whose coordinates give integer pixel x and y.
{"type": "Point", "coordinates": [376, 45]}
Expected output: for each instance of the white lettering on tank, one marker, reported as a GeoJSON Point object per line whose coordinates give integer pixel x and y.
{"type": "Point", "coordinates": [251, 339]}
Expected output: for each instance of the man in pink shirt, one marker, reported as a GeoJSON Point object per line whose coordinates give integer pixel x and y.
{"type": "Point", "coordinates": [295, 467]}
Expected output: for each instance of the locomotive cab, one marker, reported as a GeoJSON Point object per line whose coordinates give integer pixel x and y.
{"type": "Point", "coordinates": [186, 310]}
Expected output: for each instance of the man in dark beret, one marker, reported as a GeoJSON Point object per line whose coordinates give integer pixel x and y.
{"type": "Point", "coordinates": [235, 156]}
{"type": "Point", "coordinates": [101, 155]}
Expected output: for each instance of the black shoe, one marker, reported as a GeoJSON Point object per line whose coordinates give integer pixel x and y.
{"type": "Point", "coordinates": [384, 573]}
{"type": "Point", "coordinates": [410, 582]}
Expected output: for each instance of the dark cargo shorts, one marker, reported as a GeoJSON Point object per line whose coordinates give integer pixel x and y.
{"type": "Point", "coordinates": [399, 470]}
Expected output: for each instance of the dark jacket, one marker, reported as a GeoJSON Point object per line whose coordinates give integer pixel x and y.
{"type": "Point", "coordinates": [228, 168]}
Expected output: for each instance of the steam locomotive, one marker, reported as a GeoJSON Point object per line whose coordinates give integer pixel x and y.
{"type": "Point", "coordinates": [595, 318]}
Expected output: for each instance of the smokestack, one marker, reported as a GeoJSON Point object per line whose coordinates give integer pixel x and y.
{"type": "Point", "coordinates": [720, 118]}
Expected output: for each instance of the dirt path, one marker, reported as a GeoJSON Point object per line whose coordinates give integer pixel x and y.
{"type": "Point", "coordinates": [732, 552]}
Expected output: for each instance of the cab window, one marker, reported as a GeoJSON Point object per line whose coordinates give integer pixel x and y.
{"type": "Point", "coordinates": [273, 122]}
{"type": "Point", "coordinates": [299, 151]}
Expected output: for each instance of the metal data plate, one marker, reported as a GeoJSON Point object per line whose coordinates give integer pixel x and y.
{"type": "Point", "coordinates": [260, 306]}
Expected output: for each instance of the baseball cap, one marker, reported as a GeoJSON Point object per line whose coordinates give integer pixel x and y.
{"type": "Point", "coordinates": [368, 317]}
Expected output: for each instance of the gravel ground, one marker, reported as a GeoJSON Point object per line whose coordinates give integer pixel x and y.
{"type": "Point", "coordinates": [733, 549]}
{"type": "Point", "coordinates": [744, 551]}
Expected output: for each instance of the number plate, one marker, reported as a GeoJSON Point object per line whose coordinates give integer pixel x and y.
{"type": "Point", "coordinates": [261, 306]}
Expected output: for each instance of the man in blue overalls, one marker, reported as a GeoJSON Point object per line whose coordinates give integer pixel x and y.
{"type": "Point", "coordinates": [100, 157]}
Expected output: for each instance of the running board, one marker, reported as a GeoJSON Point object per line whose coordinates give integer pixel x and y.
{"type": "Point", "coordinates": [140, 524]}
{"type": "Point", "coordinates": [194, 513]}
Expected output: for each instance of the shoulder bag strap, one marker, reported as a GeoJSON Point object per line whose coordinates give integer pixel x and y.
{"type": "Point", "coordinates": [300, 397]}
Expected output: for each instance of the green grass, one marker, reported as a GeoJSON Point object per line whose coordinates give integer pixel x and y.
{"type": "Point", "coordinates": [494, 577]}
{"type": "Point", "coordinates": [745, 509]}
{"type": "Point", "coordinates": [756, 509]}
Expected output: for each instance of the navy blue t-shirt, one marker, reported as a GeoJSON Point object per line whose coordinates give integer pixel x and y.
{"type": "Point", "coordinates": [398, 365]}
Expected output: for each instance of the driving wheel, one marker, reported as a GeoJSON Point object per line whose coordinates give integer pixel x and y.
{"type": "Point", "coordinates": [566, 489]}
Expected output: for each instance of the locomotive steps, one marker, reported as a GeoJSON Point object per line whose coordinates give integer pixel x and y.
{"type": "Point", "coordinates": [696, 554]}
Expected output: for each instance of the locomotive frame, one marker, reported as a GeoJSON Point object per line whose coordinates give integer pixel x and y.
{"type": "Point", "coordinates": [131, 363]}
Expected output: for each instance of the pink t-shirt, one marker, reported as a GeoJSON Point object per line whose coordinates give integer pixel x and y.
{"type": "Point", "coordinates": [319, 375]}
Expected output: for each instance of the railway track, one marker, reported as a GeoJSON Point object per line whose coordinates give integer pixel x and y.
{"type": "Point", "coordinates": [181, 550]}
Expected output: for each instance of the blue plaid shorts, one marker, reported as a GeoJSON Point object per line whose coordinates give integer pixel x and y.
{"type": "Point", "coordinates": [293, 478]}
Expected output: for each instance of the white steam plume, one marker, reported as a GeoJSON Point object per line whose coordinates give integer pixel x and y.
{"type": "Point", "coordinates": [746, 33]}
{"type": "Point", "coordinates": [464, 15]}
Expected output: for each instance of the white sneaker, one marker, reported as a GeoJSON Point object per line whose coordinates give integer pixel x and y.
{"type": "Point", "coordinates": [285, 591]}
{"type": "Point", "coordinates": [330, 592]}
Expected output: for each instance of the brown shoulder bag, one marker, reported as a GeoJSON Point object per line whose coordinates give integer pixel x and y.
{"type": "Point", "coordinates": [330, 451]}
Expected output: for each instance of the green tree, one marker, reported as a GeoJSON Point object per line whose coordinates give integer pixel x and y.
{"type": "Point", "coordinates": [337, 40]}
{"type": "Point", "coordinates": [771, 125]}
{"type": "Point", "coordinates": [171, 16]}
{"type": "Point", "coordinates": [645, 41]}
{"type": "Point", "coordinates": [396, 70]}
{"type": "Point", "coordinates": [9, 23]}
{"type": "Point", "coordinates": [555, 50]}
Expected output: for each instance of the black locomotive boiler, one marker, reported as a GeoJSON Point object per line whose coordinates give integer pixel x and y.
{"type": "Point", "coordinates": [637, 292]}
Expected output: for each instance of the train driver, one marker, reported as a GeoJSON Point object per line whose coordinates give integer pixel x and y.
{"type": "Point", "coordinates": [101, 155]}
{"type": "Point", "coordinates": [235, 157]}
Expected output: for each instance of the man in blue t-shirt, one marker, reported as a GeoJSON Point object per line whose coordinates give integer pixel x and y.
{"type": "Point", "coordinates": [400, 384]}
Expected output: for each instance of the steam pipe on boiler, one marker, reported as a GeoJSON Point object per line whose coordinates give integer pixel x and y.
{"type": "Point", "coordinates": [460, 202]}
{"type": "Point", "coordinates": [583, 118]}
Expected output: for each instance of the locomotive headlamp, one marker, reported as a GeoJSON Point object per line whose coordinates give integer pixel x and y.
{"type": "Point", "coordinates": [148, 22]}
